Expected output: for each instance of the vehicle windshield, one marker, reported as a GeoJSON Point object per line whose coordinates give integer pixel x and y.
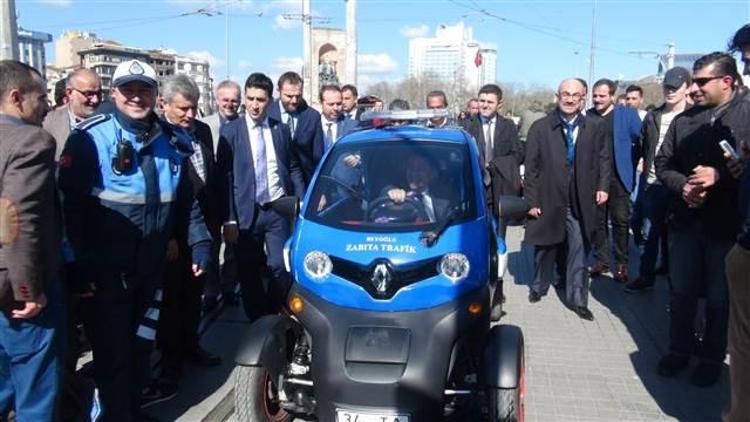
{"type": "Point", "coordinates": [394, 186]}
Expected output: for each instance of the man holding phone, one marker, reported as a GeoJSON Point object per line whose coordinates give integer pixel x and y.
{"type": "Point", "coordinates": [704, 223]}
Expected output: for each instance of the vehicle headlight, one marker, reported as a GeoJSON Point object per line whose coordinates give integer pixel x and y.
{"type": "Point", "coordinates": [454, 266]}
{"type": "Point", "coordinates": [318, 264]}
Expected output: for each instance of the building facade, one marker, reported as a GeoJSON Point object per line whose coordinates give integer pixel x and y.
{"type": "Point", "coordinates": [198, 71]}
{"type": "Point", "coordinates": [31, 48]}
{"type": "Point", "coordinates": [103, 57]}
{"type": "Point", "coordinates": [453, 55]}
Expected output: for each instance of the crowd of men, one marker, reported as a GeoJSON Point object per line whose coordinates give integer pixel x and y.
{"type": "Point", "coordinates": [129, 220]}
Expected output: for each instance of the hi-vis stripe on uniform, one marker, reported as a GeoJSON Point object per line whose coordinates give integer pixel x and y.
{"type": "Point", "coordinates": [147, 328]}
{"type": "Point", "coordinates": [128, 198]}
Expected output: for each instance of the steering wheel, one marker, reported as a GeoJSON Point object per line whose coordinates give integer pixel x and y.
{"type": "Point", "coordinates": [385, 210]}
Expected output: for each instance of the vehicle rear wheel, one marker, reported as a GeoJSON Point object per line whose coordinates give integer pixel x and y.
{"type": "Point", "coordinates": [256, 398]}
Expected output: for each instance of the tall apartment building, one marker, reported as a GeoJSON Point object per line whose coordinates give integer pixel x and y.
{"type": "Point", "coordinates": [453, 55]}
{"type": "Point", "coordinates": [31, 48]}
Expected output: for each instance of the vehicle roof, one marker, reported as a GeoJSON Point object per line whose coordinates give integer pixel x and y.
{"type": "Point", "coordinates": [452, 134]}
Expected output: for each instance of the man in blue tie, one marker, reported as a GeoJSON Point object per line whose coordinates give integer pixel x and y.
{"type": "Point", "coordinates": [256, 156]}
{"type": "Point", "coordinates": [567, 176]}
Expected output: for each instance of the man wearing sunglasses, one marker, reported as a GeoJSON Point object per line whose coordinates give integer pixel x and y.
{"type": "Point", "coordinates": [704, 221]}
{"type": "Point", "coordinates": [83, 89]}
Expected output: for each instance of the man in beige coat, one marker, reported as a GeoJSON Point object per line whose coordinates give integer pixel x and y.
{"type": "Point", "coordinates": [84, 92]}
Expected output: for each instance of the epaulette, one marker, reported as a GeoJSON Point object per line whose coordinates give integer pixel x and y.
{"type": "Point", "coordinates": [92, 121]}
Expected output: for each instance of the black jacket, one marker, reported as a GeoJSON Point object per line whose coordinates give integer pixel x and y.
{"type": "Point", "coordinates": [507, 156]}
{"type": "Point", "coordinates": [548, 177]}
{"type": "Point", "coordinates": [693, 140]}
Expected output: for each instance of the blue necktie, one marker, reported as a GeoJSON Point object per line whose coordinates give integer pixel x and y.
{"type": "Point", "coordinates": [329, 137]}
{"type": "Point", "coordinates": [261, 168]}
{"type": "Point", "coordinates": [569, 138]}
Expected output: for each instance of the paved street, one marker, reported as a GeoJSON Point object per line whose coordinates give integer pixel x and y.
{"type": "Point", "coordinates": [577, 370]}
{"type": "Point", "coordinates": [601, 370]}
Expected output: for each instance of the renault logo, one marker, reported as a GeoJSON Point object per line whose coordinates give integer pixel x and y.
{"type": "Point", "coordinates": [381, 277]}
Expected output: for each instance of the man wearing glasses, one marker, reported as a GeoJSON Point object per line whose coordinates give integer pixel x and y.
{"type": "Point", "coordinates": [704, 221]}
{"type": "Point", "coordinates": [567, 176]}
{"type": "Point", "coordinates": [84, 91]}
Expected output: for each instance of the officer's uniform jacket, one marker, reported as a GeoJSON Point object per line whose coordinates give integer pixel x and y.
{"type": "Point", "coordinates": [119, 222]}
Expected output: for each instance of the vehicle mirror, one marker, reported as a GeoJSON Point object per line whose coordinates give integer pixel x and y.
{"type": "Point", "coordinates": [512, 207]}
{"type": "Point", "coordinates": [287, 207]}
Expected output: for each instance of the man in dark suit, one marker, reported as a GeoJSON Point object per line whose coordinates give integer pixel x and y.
{"type": "Point", "coordinates": [333, 122]}
{"type": "Point", "coordinates": [255, 155]}
{"type": "Point", "coordinates": [83, 88]}
{"type": "Point", "coordinates": [419, 174]}
{"type": "Point", "coordinates": [181, 304]}
{"type": "Point", "coordinates": [349, 96]}
{"type": "Point", "coordinates": [567, 175]}
{"type": "Point", "coordinates": [500, 150]}
{"type": "Point", "coordinates": [30, 305]}
{"type": "Point", "coordinates": [624, 125]}
{"type": "Point", "coordinates": [303, 122]}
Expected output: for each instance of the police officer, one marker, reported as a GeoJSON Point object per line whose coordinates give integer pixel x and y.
{"type": "Point", "coordinates": [123, 179]}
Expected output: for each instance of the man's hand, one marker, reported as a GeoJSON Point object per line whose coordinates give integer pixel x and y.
{"type": "Point", "coordinates": [535, 212]}
{"type": "Point", "coordinates": [694, 195]}
{"type": "Point", "coordinates": [322, 204]}
{"type": "Point", "coordinates": [30, 309]}
{"type": "Point", "coordinates": [173, 251]}
{"type": "Point", "coordinates": [197, 271]}
{"type": "Point", "coordinates": [735, 166]}
{"type": "Point", "coordinates": [231, 232]}
{"type": "Point", "coordinates": [397, 195]}
{"type": "Point", "coordinates": [352, 160]}
{"type": "Point", "coordinates": [639, 166]}
{"type": "Point", "coordinates": [601, 197]}
{"type": "Point", "coordinates": [704, 176]}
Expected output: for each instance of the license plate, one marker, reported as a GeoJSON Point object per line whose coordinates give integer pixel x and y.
{"type": "Point", "coordinates": [350, 416]}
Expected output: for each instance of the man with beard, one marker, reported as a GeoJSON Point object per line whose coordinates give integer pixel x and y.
{"type": "Point", "coordinates": [303, 122]}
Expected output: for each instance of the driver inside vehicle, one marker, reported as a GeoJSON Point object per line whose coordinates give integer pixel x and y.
{"type": "Point", "coordinates": [420, 173]}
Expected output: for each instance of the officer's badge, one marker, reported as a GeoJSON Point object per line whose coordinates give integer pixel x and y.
{"type": "Point", "coordinates": [174, 165]}
{"type": "Point", "coordinates": [136, 69]}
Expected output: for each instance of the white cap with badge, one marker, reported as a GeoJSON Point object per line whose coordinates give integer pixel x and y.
{"type": "Point", "coordinates": [134, 70]}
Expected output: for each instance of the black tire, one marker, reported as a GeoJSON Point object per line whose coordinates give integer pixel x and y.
{"type": "Point", "coordinates": [505, 405]}
{"type": "Point", "coordinates": [255, 396]}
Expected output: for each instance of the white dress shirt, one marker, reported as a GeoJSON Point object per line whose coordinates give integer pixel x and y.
{"type": "Point", "coordinates": [275, 189]}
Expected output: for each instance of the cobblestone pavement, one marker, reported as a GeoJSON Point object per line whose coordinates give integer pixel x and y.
{"type": "Point", "coordinates": [602, 370]}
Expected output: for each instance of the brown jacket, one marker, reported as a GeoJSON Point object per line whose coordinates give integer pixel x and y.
{"type": "Point", "coordinates": [57, 123]}
{"type": "Point", "coordinates": [29, 228]}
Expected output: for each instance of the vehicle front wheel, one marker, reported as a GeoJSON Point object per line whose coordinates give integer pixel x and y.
{"type": "Point", "coordinates": [256, 397]}
{"type": "Point", "coordinates": [505, 405]}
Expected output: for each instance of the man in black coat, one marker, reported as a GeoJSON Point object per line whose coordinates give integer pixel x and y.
{"type": "Point", "coordinates": [567, 176]}
{"type": "Point", "coordinates": [703, 217]}
{"type": "Point", "coordinates": [500, 150]}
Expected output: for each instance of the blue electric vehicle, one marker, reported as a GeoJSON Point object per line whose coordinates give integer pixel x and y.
{"type": "Point", "coordinates": [393, 258]}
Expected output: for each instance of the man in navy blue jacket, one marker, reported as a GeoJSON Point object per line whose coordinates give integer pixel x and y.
{"type": "Point", "coordinates": [303, 122]}
{"type": "Point", "coordinates": [256, 157]}
{"type": "Point", "coordinates": [624, 125]}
